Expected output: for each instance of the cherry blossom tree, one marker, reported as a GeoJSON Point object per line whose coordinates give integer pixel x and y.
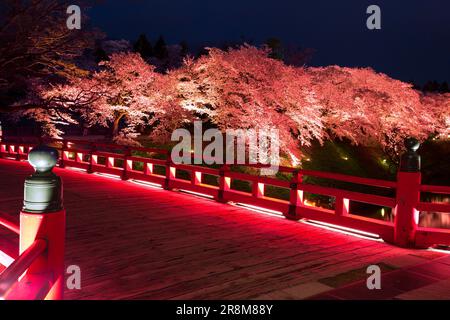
{"type": "Point", "coordinates": [245, 89]}
{"type": "Point", "coordinates": [366, 107]}
{"type": "Point", "coordinates": [126, 88]}
{"type": "Point", "coordinates": [36, 45]}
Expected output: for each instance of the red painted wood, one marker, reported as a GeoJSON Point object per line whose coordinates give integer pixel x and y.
{"type": "Point", "coordinates": [48, 227]}
{"type": "Point", "coordinates": [435, 189]}
{"type": "Point", "coordinates": [356, 196]}
{"type": "Point", "coordinates": [426, 237]}
{"type": "Point", "coordinates": [27, 258]}
{"type": "Point", "coordinates": [130, 241]}
{"type": "Point", "coordinates": [431, 206]}
{"type": "Point", "coordinates": [30, 287]}
{"type": "Point", "coordinates": [406, 213]}
{"type": "Point", "coordinates": [406, 202]}
{"type": "Point", "coordinates": [9, 224]}
{"type": "Point", "coordinates": [352, 179]}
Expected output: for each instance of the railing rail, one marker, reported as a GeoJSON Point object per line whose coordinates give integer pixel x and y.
{"type": "Point", "coordinates": [11, 275]}
{"type": "Point", "coordinates": [38, 272]}
{"type": "Point", "coordinates": [401, 196]}
{"type": "Point", "coordinates": [9, 224]}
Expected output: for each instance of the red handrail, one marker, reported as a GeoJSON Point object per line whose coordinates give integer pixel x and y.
{"type": "Point", "coordinates": [11, 274]}
{"type": "Point", "coordinates": [406, 200]}
{"type": "Point", "coordinates": [8, 224]}
{"type": "Point", "coordinates": [435, 189]}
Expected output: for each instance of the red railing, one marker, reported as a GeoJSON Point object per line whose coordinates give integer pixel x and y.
{"type": "Point", "coordinates": [401, 196]}
{"type": "Point", "coordinates": [38, 272]}
{"type": "Point", "coordinates": [31, 287]}
{"type": "Point", "coordinates": [9, 224]}
{"type": "Point", "coordinates": [35, 274]}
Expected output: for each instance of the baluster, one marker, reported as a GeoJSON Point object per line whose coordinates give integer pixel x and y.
{"type": "Point", "coordinates": [224, 183]}
{"type": "Point", "coordinates": [407, 196]}
{"type": "Point", "coordinates": [43, 217]}
{"type": "Point", "coordinates": [295, 196]}
{"type": "Point", "coordinates": [342, 206]}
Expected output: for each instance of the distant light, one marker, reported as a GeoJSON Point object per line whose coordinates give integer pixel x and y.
{"type": "Point", "coordinates": [345, 158]}
{"type": "Point", "coordinates": [309, 203]}
{"type": "Point", "coordinates": [382, 212]}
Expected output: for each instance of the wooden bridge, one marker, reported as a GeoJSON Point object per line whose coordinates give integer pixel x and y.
{"type": "Point", "coordinates": [134, 239]}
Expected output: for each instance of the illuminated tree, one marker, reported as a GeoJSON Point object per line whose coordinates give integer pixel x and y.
{"type": "Point", "coordinates": [36, 44]}
{"type": "Point", "coordinates": [365, 107]}
{"type": "Point", "coordinates": [243, 88]}
{"type": "Point", "coordinates": [126, 88]}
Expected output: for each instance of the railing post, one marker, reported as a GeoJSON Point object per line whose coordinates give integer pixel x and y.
{"type": "Point", "coordinates": [407, 196]}
{"type": "Point", "coordinates": [2, 146]}
{"type": "Point", "coordinates": [64, 154]}
{"type": "Point", "coordinates": [17, 151]}
{"type": "Point", "coordinates": [196, 178]}
{"type": "Point", "coordinates": [43, 217]}
{"type": "Point", "coordinates": [2, 149]}
{"type": "Point", "coordinates": [127, 164]}
{"type": "Point", "coordinates": [170, 173]}
{"type": "Point", "coordinates": [342, 206]}
{"type": "Point", "coordinates": [224, 183]}
{"type": "Point", "coordinates": [92, 158]}
{"type": "Point", "coordinates": [295, 197]}
{"type": "Point", "coordinates": [148, 168]}
{"type": "Point", "coordinates": [258, 189]}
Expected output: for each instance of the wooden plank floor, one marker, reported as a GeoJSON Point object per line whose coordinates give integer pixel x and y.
{"type": "Point", "coordinates": [137, 242]}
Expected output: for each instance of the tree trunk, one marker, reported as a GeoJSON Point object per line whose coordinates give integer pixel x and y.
{"type": "Point", "coordinates": [116, 123]}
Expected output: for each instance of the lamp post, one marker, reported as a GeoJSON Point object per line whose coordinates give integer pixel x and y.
{"type": "Point", "coordinates": [43, 217]}
{"type": "Point", "coordinates": [408, 195]}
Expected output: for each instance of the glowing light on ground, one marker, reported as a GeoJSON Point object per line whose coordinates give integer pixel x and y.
{"type": "Point", "coordinates": [107, 175]}
{"type": "Point", "coordinates": [76, 169]}
{"type": "Point", "coordinates": [146, 183]}
{"type": "Point", "coordinates": [265, 211]}
{"type": "Point", "coordinates": [344, 230]}
{"type": "Point", "coordinates": [198, 194]}
{"type": "Point", "coordinates": [5, 259]}
{"type": "Point", "coordinates": [440, 250]}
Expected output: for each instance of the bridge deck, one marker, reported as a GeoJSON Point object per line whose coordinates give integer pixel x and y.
{"type": "Point", "coordinates": [137, 242]}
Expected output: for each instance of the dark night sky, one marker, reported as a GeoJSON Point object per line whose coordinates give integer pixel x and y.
{"type": "Point", "coordinates": [413, 44]}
